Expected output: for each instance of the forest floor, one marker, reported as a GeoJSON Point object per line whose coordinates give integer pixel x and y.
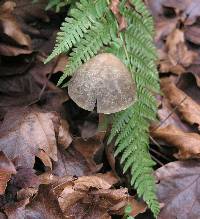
{"type": "Point", "coordinates": [54, 161]}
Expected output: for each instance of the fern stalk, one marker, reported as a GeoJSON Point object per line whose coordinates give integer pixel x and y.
{"type": "Point", "coordinates": [91, 27]}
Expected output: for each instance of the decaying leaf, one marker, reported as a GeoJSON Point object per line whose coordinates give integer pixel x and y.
{"type": "Point", "coordinates": [44, 205]}
{"type": "Point", "coordinates": [72, 162]}
{"type": "Point", "coordinates": [178, 190]}
{"type": "Point", "coordinates": [104, 80]}
{"type": "Point", "coordinates": [7, 168]}
{"type": "Point", "coordinates": [92, 197]}
{"type": "Point", "coordinates": [188, 109]}
{"type": "Point", "coordinates": [11, 27]}
{"type": "Point", "coordinates": [92, 150]}
{"type": "Point", "coordinates": [24, 131]}
{"type": "Point", "coordinates": [188, 144]}
{"type": "Point", "coordinates": [176, 56]}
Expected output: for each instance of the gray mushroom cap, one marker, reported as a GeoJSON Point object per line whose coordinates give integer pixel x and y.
{"type": "Point", "coordinates": [104, 80]}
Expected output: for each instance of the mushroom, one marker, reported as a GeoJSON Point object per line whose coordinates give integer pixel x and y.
{"type": "Point", "coordinates": [103, 80]}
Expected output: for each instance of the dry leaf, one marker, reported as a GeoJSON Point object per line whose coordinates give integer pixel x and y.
{"type": "Point", "coordinates": [188, 144]}
{"type": "Point", "coordinates": [177, 55]}
{"type": "Point", "coordinates": [6, 170]}
{"type": "Point", "coordinates": [44, 206]}
{"type": "Point", "coordinates": [178, 190]}
{"type": "Point", "coordinates": [11, 27]}
{"type": "Point", "coordinates": [92, 150]}
{"type": "Point", "coordinates": [92, 197]}
{"type": "Point", "coordinates": [71, 162]}
{"type": "Point", "coordinates": [188, 109]}
{"type": "Point", "coordinates": [25, 131]}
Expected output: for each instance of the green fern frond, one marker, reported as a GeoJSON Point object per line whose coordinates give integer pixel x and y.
{"type": "Point", "coordinates": [73, 28]}
{"type": "Point", "coordinates": [92, 28]}
{"type": "Point", "coordinates": [98, 36]}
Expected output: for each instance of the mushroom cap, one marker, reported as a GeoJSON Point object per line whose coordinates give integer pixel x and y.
{"type": "Point", "coordinates": [104, 80]}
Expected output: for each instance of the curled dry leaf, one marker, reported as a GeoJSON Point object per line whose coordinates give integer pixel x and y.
{"type": "Point", "coordinates": [44, 205]}
{"type": "Point", "coordinates": [10, 25]}
{"type": "Point", "coordinates": [92, 197]}
{"type": "Point", "coordinates": [103, 80]}
{"type": "Point", "coordinates": [176, 56]}
{"type": "Point", "coordinates": [25, 131]}
{"type": "Point", "coordinates": [188, 144]}
{"type": "Point", "coordinates": [178, 190]}
{"type": "Point", "coordinates": [188, 109]}
{"type": "Point", "coordinates": [7, 168]}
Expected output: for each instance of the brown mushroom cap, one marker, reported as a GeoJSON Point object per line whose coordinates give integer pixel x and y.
{"type": "Point", "coordinates": [104, 80]}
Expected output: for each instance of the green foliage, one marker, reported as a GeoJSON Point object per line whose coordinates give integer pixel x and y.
{"type": "Point", "coordinates": [56, 4]}
{"type": "Point", "coordinates": [90, 28]}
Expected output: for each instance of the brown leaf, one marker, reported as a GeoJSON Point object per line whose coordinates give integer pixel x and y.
{"type": "Point", "coordinates": [115, 10]}
{"type": "Point", "coordinates": [188, 109]}
{"type": "Point", "coordinates": [177, 54]}
{"type": "Point", "coordinates": [188, 83]}
{"type": "Point", "coordinates": [44, 206]}
{"type": "Point", "coordinates": [26, 79]}
{"type": "Point", "coordinates": [10, 25]}
{"type": "Point", "coordinates": [25, 178]}
{"type": "Point", "coordinates": [25, 131]}
{"type": "Point", "coordinates": [178, 190]}
{"type": "Point", "coordinates": [164, 111]}
{"type": "Point", "coordinates": [16, 210]}
{"type": "Point", "coordinates": [91, 197]}
{"type": "Point", "coordinates": [91, 149]}
{"type": "Point", "coordinates": [6, 170]}
{"type": "Point", "coordinates": [8, 50]}
{"type": "Point", "coordinates": [71, 163]}
{"type": "Point", "coordinates": [188, 144]}
{"type": "Point", "coordinates": [192, 33]}
{"type": "Point", "coordinates": [137, 207]}
{"type": "Point", "coordinates": [64, 138]}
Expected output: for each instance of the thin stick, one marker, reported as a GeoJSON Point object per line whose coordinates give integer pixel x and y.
{"type": "Point", "coordinates": [161, 155]}
{"type": "Point", "coordinates": [159, 162]}
{"type": "Point", "coordinates": [44, 86]}
{"type": "Point", "coordinates": [155, 142]}
{"type": "Point", "coordinates": [173, 110]}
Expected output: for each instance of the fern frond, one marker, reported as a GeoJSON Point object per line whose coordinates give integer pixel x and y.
{"type": "Point", "coordinates": [73, 28]}
{"type": "Point", "coordinates": [91, 28]}
{"type": "Point", "coordinates": [132, 130]}
{"type": "Point", "coordinates": [99, 35]}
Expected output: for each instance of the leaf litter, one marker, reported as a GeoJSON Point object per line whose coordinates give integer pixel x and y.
{"type": "Point", "coordinates": [54, 162]}
{"type": "Point", "coordinates": [52, 155]}
{"type": "Point", "coordinates": [177, 132]}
